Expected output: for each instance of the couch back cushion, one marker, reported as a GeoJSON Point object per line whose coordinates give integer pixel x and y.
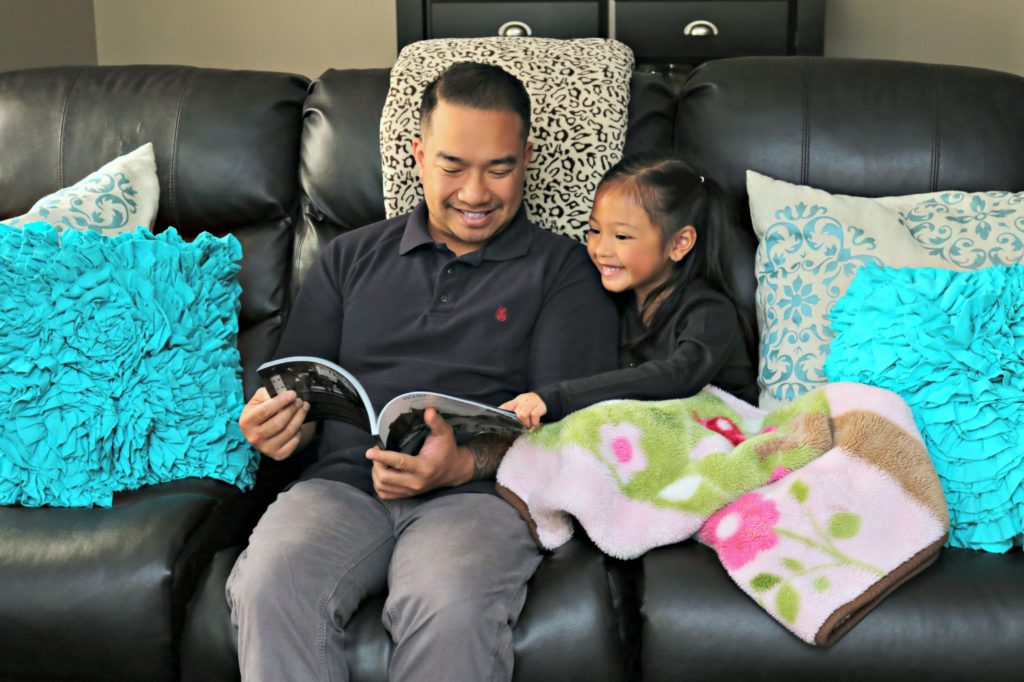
{"type": "Point", "coordinates": [226, 145]}
{"type": "Point", "coordinates": [860, 127]}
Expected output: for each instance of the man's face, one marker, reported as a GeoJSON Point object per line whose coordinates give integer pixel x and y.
{"type": "Point", "coordinates": [472, 165]}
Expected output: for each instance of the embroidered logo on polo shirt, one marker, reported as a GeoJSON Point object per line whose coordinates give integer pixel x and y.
{"type": "Point", "coordinates": [501, 314]}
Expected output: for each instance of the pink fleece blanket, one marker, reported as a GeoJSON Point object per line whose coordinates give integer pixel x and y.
{"type": "Point", "coordinates": [817, 510]}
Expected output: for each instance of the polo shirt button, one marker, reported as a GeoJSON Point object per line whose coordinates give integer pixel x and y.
{"type": "Point", "coordinates": [444, 299]}
{"type": "Point", "coordinates": [450, 271]}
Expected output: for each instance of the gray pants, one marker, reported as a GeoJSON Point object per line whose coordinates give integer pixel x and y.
{"type": "Point", "coordinates": [455, 567]}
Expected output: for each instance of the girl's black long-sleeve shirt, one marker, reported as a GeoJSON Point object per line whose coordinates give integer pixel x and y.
{"type": "Point", "coordinates": [701, 344]}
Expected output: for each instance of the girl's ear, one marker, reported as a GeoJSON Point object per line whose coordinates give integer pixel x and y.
{"type": "Point", "coordinates": [682, 243]}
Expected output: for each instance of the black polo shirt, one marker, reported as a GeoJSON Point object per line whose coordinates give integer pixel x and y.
{"type": "Point", "coordinates": [403, 313]}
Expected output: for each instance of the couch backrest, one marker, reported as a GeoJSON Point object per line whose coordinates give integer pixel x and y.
{"type": "Point", "coordinates": [250, 153]}
{"type": "Point", "coordinates": [227, 151]}
{"type": "Point", "coordinates": [859, 127]}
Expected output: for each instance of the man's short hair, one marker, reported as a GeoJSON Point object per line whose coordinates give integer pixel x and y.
{"type": "Point", "coordinates": [477, 86]}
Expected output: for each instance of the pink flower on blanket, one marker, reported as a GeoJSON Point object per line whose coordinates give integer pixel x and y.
{"type": "Point", "coordinates": [742, 530]}
{"type": "Point", "coordinates": [620, 446]}
{"type": "Point", "coordinates": [724, 426]}
{"type": "Point", "coordinates": [777, 473]}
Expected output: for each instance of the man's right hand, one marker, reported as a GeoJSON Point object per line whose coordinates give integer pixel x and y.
{"type": "Point", "coordinates": [274, 425]}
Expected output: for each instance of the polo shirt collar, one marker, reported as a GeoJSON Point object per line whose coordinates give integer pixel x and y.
{"type": "Point", "coordinates": [511, 242]}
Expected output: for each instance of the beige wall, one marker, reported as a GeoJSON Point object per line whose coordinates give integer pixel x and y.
{"type": "Point", "coordinates": [309, 36]}
{"type": "Point", "coordinates": [985, 33]}
{"type": "Point", "coordinates": [298, 36]}
{"type": "Point", "coordinates": [46, 33]}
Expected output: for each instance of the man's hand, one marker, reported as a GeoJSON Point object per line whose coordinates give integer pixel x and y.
{"type": "Point", "coordinates": [274, 425]}
{"type": "Point", "coordinates": [440, 462]}
{"type": "Point", "coordinates": [528, 407]}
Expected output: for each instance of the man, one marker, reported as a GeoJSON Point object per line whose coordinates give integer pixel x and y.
{"type": "Point", "coordinates": [462, 296]}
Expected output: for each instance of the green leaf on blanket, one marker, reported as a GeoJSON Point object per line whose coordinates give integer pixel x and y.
{"type": "Point", "coordinates": [787, 601]}
{"type": "Point", "coordinates": [763, 582]}
{"type": "Point", "coordinates": [792, 564]}
{"type": "Point", "coordinates": [799, 491]}
{"type": "Point", "coordinates": [844, 525]}
{"type": "Point", "coordinates": [821, 583]}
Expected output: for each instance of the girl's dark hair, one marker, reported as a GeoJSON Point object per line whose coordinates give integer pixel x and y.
{"type": "Point", "coordinates": [673, 195]}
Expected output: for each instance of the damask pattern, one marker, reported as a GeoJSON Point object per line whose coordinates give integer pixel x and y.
{"type": "Point", "coordinates": [805, 260]}
{"type": "Point", "coordinates": [811, 244]}
{"type": "Point", "coordinates": [116, 198]}
{"type": "Point", "coordinates": [579, 93]}
{"type": "Point", "coordinates": [957, 227]}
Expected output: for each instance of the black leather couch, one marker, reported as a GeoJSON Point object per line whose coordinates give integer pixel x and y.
{"type": "Point", "coordinates": [136, 592]}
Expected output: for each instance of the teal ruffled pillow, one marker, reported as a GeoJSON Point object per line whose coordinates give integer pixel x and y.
{"type": "Point", "coordinates": [952, 344]}
{"type": "Point", "coordinates": [119, 364]}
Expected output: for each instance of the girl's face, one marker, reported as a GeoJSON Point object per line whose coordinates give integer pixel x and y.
{"type": "Point", "coordinates": [627, 248]}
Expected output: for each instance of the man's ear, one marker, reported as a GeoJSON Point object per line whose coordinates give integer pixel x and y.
{"type": "Point", "coordinates": [527, 154]}
{"type": "Point", "coordinates": [417, 150]}
{"type": "Point", "coordinates": [682, 243]}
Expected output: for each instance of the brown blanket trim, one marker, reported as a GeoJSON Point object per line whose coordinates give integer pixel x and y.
{"type": "Point", "coordinates": [520, 506]}
{"type": "Point", "coordinates": [875, 439]}
{"type": "Point", "coordinates": [848, 615]}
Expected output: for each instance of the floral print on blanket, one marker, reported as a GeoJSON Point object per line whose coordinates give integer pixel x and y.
{"type": "Point", "coordinates": [742, 530]}
{"type": "Point", "coordinates": [753, 524]}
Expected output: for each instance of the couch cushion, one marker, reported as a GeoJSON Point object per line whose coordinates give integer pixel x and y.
{"type": "Point", "coordinates": [121, 366]}
{"type": "Point", "coordinates": [100, 593]}
{"type": "Point", "coordinates": [117, 197]}
{"type": "Point", "coordinates": [570, 629]}
{"type": "Point", "coordinates": [952, 345]}
{"type": "Point", "coordinates": [579, 95]}
{"type": "Point", "coordinates": [957, 620]}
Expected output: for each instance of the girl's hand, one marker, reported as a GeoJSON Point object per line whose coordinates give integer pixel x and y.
{"type": "Point", "coordinates": [528, 407]}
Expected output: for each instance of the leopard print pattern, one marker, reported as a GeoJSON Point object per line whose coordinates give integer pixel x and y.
{"type": "Point", "coordinates": [579, 96]}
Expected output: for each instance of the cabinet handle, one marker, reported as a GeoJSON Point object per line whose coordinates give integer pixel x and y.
{"type": "Point", "coordinates": [511, 29]}
{"type": "Point", "coordinates": [700, 28]}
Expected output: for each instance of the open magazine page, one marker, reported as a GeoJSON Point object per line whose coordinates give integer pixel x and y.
{"type": "Point", "coordinates": [332, 392]}
{"type": "Point", "coordinates": [401, 421]}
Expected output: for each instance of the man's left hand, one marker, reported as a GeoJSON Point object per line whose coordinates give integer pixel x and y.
{"type": "Point", "coordinates": [440, 463]}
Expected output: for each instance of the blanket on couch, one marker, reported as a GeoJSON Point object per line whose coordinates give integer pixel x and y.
{"type": "Point", "coordinates": [817, 510]}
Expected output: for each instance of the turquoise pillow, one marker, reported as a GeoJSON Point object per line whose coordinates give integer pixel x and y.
{"type": "Point", "coordinates": [952, 344]}
{"type": "Point", "coordinates": [119, 364]}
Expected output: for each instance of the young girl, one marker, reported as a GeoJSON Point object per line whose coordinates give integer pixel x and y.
{"type": "Point", "coordinates": [657, 233]}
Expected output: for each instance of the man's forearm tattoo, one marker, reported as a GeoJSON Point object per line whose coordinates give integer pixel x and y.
{"type": "Point", "coordinates": [487, 449]}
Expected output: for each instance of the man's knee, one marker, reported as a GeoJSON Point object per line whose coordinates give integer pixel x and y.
{"type": "Point", "coordinates": [263, 582]}
{"type": "Point", "coordinates": [445, 608]}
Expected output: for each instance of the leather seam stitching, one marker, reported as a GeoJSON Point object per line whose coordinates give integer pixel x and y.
{"type": "Point", "coordinates": [63, 129]}
{"type": "Point", "coordinates": [171, 184]}
{"type": "Point", "coordinates": [935, 133]}
{"type": "Point", "coordinates": [805, 152]}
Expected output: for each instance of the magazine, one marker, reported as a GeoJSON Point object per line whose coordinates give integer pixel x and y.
{"type": "Point", "coordinates": [334, 393]}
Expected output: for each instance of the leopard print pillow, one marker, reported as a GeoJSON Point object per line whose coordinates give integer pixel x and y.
{"type": "Point", "coordinates": [579, 95]}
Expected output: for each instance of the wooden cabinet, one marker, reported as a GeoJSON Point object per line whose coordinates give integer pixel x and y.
{"type": "Point", "coordinates": [692, 31]}
{"type": "Point", "coordinates": [679, 32]}
{"type": "Point", "coordinates": [419, 19]}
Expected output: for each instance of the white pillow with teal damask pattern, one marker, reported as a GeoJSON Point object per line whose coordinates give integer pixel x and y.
{"type": "Point", "coordinates": [811, 244]}
{"type": "Point", "coordinates": [118, 197]}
